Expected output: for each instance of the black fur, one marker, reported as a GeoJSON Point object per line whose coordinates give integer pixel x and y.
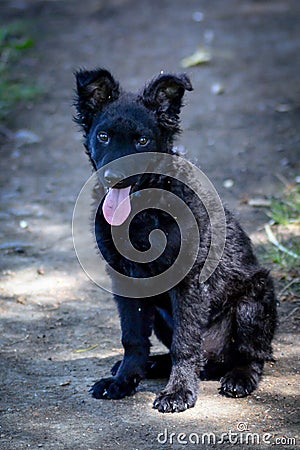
{"type": "Point", "coordinates": [223, 327]}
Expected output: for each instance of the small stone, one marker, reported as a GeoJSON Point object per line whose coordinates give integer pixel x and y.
{"type": "Point", "coordinates": [25, 137]}
{"type": "Point", "coordinates": [198, 16]}
{"type": "Point", "coordinates": [228, 183]}
{"type": "Point", "coordinates": [284, 162]}
{"type": "Point", "coordinates": [209, 36]}
{"type": "Point", "coordinates": [23, 224]}
{"type": "Point", "coordinates": [19, 250]}
{"type": "Point", "coordinates": [8, 273]}
{"type": "Point", "coordinates": [283, 107]}
{"type": "Point", "coordinates": [16, 154]}
{"type": "Point", "coordinates": [217, 89]}
{"type": "Point", "coordinates": [179, 150]}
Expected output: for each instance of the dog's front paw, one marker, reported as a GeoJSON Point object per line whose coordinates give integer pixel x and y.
{"type": "Point", "coordinates": [112, 388]}
{"type": "Point", "coordinates": [178, 401]}
{"type": "Point", "coordinates": [238, 383]}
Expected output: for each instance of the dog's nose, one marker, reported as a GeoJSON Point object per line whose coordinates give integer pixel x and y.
{"type": "Point", "coordinates": [112, 177]}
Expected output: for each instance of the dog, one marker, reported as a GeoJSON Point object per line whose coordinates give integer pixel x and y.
{"type": "Point", "coordinates": [221, 328]}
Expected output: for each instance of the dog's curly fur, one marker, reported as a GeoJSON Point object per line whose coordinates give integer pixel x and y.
{"type": "Point", "coordinates": [222, 327]}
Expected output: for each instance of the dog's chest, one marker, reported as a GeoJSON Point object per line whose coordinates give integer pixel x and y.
{"type": "Point", "coordinates": [145, 251]}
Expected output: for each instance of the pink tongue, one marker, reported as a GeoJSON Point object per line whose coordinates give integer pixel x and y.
{"type": "Point", "coordinates": [116, 207]}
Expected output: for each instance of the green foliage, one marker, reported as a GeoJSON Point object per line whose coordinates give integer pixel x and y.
{"type": "Point", "coordinates": [12, 38]}
{"type": "Point", "coordinates": [13, 43]}
{"type": "Point", "coordinates": [286, 210]}
{"type": "Point", "coordinates": [285, 255]}
{"type": "Point", "coordinates": [285, 260]}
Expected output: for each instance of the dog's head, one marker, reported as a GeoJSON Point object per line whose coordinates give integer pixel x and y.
{"type": "Point", "coordinates": [117, 124]}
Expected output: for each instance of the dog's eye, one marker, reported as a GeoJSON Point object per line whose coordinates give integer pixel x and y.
{"type": "Point", "coordinates": [103, 137]}
{"type": "Point", "coordinates": [143, 141]}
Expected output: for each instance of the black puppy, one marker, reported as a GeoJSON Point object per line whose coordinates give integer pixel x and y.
{"type": "Point", "coordinates": [222, 327]}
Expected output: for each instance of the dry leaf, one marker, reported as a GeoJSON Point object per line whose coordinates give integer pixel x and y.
{"type": "Point", "coordinates": [259, 202]}
{"type": "Point", "coordinates": [82, 350]}
{"type": "Point", "coordinates": [22, 300]}
{"type": "Point", "coordinates": [65, 383]}
{"type": "Point", "coordinates": [201, 56]}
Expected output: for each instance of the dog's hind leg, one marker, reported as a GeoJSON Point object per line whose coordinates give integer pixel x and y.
{"type": "Point", "coordinates": [255, 325]}
{"type": "Point", "coordinates": [158, 366]}
{"type": "Point", "coordinates": [163, 326]}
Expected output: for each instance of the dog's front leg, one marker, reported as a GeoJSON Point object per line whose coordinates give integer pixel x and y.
{"type": "Point", "coordinates": [136, 323]}
{"type": "Point", "coordinates": [182, 388]}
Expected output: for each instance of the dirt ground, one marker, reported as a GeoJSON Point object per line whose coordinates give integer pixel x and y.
{"type": "Point", "coordinates": [49, 308]}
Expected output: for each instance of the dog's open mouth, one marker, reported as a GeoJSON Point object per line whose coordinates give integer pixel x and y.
{"type": "Point", "coordinates": [116, 207]}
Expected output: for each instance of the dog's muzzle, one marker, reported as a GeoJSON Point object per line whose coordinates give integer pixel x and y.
{"type": "Point", "coordinates": [112, 177]}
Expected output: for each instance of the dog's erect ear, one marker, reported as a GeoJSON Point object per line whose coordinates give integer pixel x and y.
{"type": "Point", "coordinates": [164, 96]}
{"type": "Point", "coordinates": [94, 89]}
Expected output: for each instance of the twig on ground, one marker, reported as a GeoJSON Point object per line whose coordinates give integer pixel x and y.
{"type": "Point", "coordinates": [16, 342]}
{"type": "Point", "coordinates": [271, 237]}
{"type": "Point", "coordinates": [291, 313]}
{"type": "Point", "coordinates": [296, 280]}
{"type": "Point", "coordinates": [283, 180]}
